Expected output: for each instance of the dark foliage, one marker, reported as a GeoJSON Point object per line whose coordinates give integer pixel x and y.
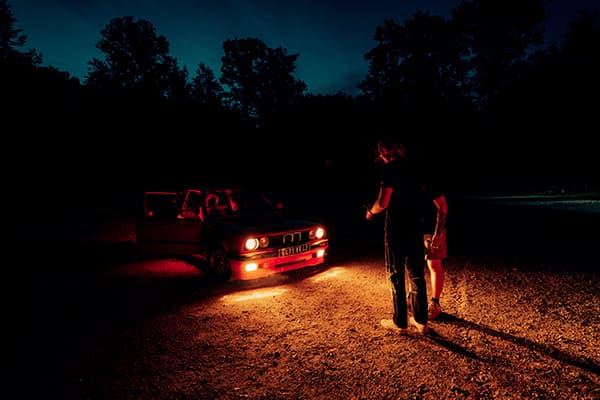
{"type": "Point", "coordinates": [474, 96]}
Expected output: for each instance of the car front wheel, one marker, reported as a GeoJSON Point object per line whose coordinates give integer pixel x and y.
{"type": "Point", "coordinates": [219, 264]}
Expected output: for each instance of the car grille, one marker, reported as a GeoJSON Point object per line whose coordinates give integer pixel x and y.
{"type": "Point", "coordinates": [289, 239]}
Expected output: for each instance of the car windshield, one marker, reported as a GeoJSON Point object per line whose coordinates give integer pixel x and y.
{"type": "Point", "coordinates": [230, 203]}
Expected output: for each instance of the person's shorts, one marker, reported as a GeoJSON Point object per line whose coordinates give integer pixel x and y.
{"type": "Point", "coordinates": [438, 253]}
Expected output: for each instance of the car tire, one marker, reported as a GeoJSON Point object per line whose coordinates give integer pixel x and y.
{"type": "Point", "coordinates": [219, 265]}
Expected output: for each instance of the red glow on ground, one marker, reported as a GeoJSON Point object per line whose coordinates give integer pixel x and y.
{"type": "Point", "coordinates": [160, 268]}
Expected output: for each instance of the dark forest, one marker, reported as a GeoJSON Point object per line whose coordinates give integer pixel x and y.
{"type": "Point", "coordinates": [478, 98]}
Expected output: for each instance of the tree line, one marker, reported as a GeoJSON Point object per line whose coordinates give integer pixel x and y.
{"type": "Point", "coordinates": [480, 86]}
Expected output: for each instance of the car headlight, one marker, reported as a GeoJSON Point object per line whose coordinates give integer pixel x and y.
{"type": "Point", "coordinates": [263, 242]}
{"type": "Point", "coordinates": [255, 243]}
{"type": "Point", "coordinates": [317, 233]}
{"type": "Point", "coordinates": [251, 244]}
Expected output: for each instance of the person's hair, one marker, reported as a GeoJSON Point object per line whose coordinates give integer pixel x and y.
{"type": "Point", "coordinates": [390, 147]}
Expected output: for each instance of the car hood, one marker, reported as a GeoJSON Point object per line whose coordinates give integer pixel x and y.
{"type": "Point", "coordinates": [260, 224]}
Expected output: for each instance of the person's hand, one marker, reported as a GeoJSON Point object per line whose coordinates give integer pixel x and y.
{"type": "Point", "coordinates": [368, 215]}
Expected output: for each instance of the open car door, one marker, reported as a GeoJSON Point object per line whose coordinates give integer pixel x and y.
{"type": "Point", "coordinates": [165, 227]}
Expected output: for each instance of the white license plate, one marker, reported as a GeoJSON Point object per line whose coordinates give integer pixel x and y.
{"type": "Point", "coordinates": [290, 251]}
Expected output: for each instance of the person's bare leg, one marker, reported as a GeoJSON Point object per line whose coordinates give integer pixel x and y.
{"type": "Point", "coordinates": [436, 272]}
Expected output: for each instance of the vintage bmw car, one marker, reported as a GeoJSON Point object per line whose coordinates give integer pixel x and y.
{"type": "Point", "coordinates": [236, 234]}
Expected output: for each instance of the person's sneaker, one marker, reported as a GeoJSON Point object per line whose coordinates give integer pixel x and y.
{"type": "Point", "coordinates": [391, 325]}
{"type": "Point", "coordinates": [434, 310]}
{"type": "Point", "coordinates": [421, 328]}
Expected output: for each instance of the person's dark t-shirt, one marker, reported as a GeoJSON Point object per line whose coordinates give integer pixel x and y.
{"type": "Point", "coordinates": [404, 213]}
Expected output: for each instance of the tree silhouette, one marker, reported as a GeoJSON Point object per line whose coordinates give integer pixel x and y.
{"type": "Point", "coordinates": [12, 41]}
{"type": "Point", "coordinates": [416, 66]}
{"type": "Point", "coordinates": [430, 62]}
{"type": "Point", "coordinates": [259, 79]}
{"type": "Point", "coordinates": [581, 48]}
{"type": "Point", "coordinates": [136, 60]}
{"type": "Point", "coordinates": [498, 35]}
{"type": "Point", "coordinates": [206, 89]}
{"type": "Point", "coordinates": [559, 81]}
{"type": "Point", "coordinates": [25, 85]}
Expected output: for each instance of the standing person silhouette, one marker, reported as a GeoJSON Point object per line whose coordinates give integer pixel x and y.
{"type": "Point", "coordinates": [400, 196]}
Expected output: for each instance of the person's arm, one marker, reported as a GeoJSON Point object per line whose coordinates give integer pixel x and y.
{"type": "Point", "coordinates": [440, 220]}
{"type": "Point", "coordinates": [382, 202]}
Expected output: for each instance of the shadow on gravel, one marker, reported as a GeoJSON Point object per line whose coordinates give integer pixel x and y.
{"type": "Point", "coordinates": [585, 363]}
{"type": "Point", "coordinates": [450, 345]}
